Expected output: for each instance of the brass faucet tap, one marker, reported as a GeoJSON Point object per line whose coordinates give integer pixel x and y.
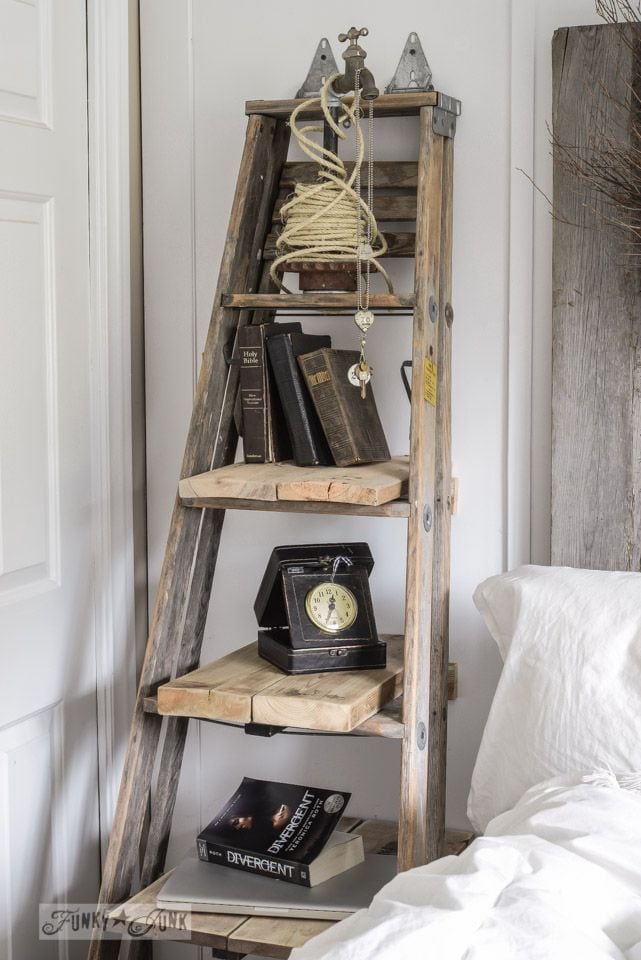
{"type": "Point", "coordinates": [354, 57]}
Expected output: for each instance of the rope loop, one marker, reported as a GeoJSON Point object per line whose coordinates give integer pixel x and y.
{"type": "Point", "coordinates": [321, 220]}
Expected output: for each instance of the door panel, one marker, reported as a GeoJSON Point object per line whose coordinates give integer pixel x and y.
{"type": "Point", "coordinates": [48, 753]}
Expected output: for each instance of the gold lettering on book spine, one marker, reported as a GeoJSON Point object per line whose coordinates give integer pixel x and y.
{"type": "Point", "coordinates": [323, 376]}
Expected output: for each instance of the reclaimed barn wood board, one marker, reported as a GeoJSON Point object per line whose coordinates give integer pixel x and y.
{"type": "Point", "coordinates": [242, 688]}
{"type": "Point", "coordinates": [387, 207]}
{"type": "Point", "coordinates": [387, 173]}
{"type": "Point", "coordinates": [596, 316]}
{"type": "Point", "coordinates": [420, 837]}
{"type": "Point", "coordinates": [327, 302]}
{"type": "Point", "coordinates": [331, 701]}
{"type": "Point", "coordinates": [399, 244]}
{"type": "Point", "coordinates": [387, 105]}
{"type": "Point", "coordinates": [372, 484]}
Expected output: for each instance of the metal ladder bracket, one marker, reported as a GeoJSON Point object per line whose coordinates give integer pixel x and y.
{"type": "Point", "coordinates": [446, 111]}
{"type": "Point", "coordinates": [413, 73]}
{"type": "Point", "coordinates": [322, 66]}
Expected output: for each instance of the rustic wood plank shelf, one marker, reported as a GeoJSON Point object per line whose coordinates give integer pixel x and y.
{"type": "Point", "coordinates": [243, 688]}
{"type": "Point", "coordinates": [387, 105]}
{"type": "Point", "coordinates": [266, 936]}
{"type": "Point", "coordinates": [327, 302]}
{"type": "Point", "coordinates": [371, 485]}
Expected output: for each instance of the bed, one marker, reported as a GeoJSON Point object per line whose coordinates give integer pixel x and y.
{"type": "Point", "coordinates": [556, 792]}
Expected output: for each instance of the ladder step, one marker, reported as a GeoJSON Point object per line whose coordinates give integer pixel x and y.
{"type": "Point", "coordinates": [390, 207]}
{"type": "Point", "coordinates": [399, 244]}
{"type": "Point", "coordinates": [387, 173]}
{"type": "Point", "coordinates": [325, 302]}
{"type": "Point", "coordinates": [243, 688]}
{"type": "Point", "coordinates": [376, 487]}
{"type": "Point", "coordinates": [387, 105]}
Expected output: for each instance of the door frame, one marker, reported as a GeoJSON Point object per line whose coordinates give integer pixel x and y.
{"type": "Point", "coordinates": [117, 430]}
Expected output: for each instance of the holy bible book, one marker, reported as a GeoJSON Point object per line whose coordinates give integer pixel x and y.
{"type": "Point", "coordinates": [282, 830]}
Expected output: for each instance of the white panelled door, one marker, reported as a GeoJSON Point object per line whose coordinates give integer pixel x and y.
{"type": "Point", "coordinates": [48, 753]}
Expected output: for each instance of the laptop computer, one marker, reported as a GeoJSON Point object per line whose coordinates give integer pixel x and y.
{"type": "Point", "coordinates": [208, 888]}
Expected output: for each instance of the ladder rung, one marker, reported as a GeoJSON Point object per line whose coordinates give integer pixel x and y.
{"type": "Point", "coordinates": [387, 105]}
{"type": "Point", "coordinates": [399, 244]}
{"type": "Point", "coordinates": [315, 301]}
{"type": "Point", "coordinates": [387, 173]}
{"type": "Point", "coordinates": [390, 207]}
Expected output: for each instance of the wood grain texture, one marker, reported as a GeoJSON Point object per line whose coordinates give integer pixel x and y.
{"type": "Point", "coordinates": [314, 301]}
{"type": "Point", "coordinates": [183, 592]}
{"type": "Point", "coordinates": [327, 701]}
{"type": "Point", "coordinates": [396, 508]}
{"type": "Point", "coordinates": [388, 207]}
{"type": "Point", "coordinates": [399, 244]}
{"type": "Point", "coordinates": [420, 835]}
{"type": "Point", "coordinates": [439, 638]}
{"type": "Point", "coordinates": [367, 485]}
{"type": "Point", "coordinates": [596, 352]}
{"type": "Point", "coordinates": [387, 105]}
{"type": "Point", "coordinates": [242, 688]}
{"type": "Point", "coordinates": [387, 173]}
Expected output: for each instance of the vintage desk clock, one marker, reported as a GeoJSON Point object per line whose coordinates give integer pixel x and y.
{"type": "Point", "coordinates": [314, 609]}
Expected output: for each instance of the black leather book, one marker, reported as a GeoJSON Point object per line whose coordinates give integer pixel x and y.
{"type": "Point", "coordinates": [264, 431]}
{"type": "Point", "coordinates": [306, 434]}
{"type": "Point", "coordinates": [351, 424]}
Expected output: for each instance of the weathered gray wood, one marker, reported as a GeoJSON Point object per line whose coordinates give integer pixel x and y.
{"type": "Point", "coordinates": [387, 173]}
{"type": "Point", "coordinates": [437, 733]}
{"type": "Point", "coordinates": [399, 244]}
{"type": "Point", "coordinates": [183, 592]}
{"type": "Point", "coordinates": [389, 206]}
{"type": "Point", "coordinates": [596, 378]}
{"type": "Point", "coordinates": [387, 105]}
{"type": "Point", "coordinates": [420, 835]}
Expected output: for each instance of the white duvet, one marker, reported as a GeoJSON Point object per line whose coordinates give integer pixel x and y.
{"type": "Point", "coordinates": [558, 877]}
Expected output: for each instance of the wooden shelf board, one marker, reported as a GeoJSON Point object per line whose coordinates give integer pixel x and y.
{"type": "Point", "coordinates": [387, 105]}
{"type": "Point", "coordinates": [386, 723]}
{"type": "Point", "coordinates": [243, 688]}
{"type": "Point", "coordinates": [266, 936]}
{"type": "Point", "coordinates": [398, 509]}
{"type": "Point", "coordinates": [325, 302]}
{"type": "Point", "coordinates": [304, 489]}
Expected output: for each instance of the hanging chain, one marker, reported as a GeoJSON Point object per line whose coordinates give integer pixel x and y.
{"type": "Point", "coordinates": [360, 374]}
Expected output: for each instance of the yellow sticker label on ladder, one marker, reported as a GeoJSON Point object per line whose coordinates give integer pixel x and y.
{"type": "Point", "coordinates": [429, 381]}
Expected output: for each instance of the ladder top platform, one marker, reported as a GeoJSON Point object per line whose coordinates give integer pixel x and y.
{"type": "Point", "coordinates": [387, 105]}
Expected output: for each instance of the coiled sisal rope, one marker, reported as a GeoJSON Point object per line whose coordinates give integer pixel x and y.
{"type": "Point", "coordinates": [322, 219]}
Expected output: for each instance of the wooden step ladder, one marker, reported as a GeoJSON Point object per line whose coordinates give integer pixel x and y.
{"type": "Point", "coordinates": [403, 191]}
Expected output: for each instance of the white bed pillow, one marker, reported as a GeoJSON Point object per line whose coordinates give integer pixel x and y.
{"type": "Point", "coordinates": [569, 696]}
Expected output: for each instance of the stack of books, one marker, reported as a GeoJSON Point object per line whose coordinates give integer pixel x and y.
{"type": "Point", "coordinates": [297, 403]}
{"type": "Point", "coordinates": [283, 831]}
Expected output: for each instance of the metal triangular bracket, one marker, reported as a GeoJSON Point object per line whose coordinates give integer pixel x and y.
{"type": "Point", "coordinates": [322, 66]}
{"type": "Point", "coordinates": [413, 72]}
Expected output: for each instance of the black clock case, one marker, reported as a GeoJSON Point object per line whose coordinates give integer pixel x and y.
{"type": "Point", "coordinates": [288, 639]}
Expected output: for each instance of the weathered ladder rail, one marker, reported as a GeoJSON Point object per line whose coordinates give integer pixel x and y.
{"type": "Point", "coordinates": [178, 621]}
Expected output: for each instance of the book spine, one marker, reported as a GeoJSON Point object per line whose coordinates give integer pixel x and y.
{"type": "Point", "coordinates": [260, 864]}
{"type": "Point", "coordinates": [320, 382]}
{"type": "Point", "coordinates": [251, 350]}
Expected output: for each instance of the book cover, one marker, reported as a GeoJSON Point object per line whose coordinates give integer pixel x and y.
{"type": "Point", "coordinates": [308, 441]}
{"type": "Point", "coordinates": [264, 431]}
{"type": "Point", "coordinates": [351, 424]}
{"type": "Point", "coordinates": [273, 829]}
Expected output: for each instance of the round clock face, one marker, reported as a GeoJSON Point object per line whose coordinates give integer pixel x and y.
{"type": "Point", "coordinates": [331, 607]}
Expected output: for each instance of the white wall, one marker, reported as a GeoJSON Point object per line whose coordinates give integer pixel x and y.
{"type": "Point", "coordinates": [200, 61]}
